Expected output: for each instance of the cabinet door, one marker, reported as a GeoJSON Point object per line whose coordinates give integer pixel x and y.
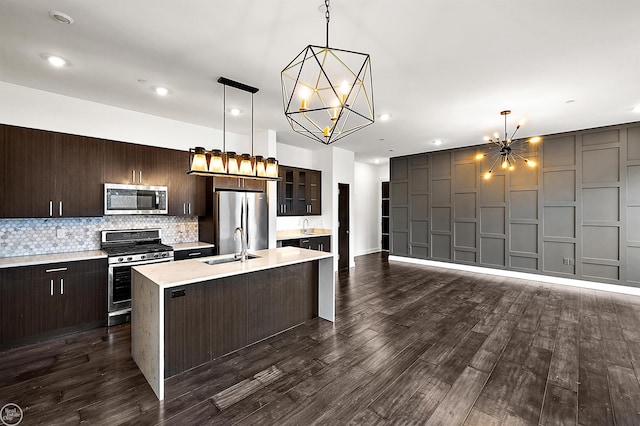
{"type": "Point", "coordinates": [179, 184]}
{"type": "Point", "coordinates": [28, 306]}
{"type": "Point", "coordinates": [82, 295]}
{"type": "Point", "coordinates": [286, 191]}
{"type": "Point", "coordinates": [301, 207]}
{"type": "Point", "coordinates": [253, 185]}
{"type": "Point", "coordinates": [228, 183]}
{"type": "Point", "coordinates": [314, 192]}
{"type": "Point", "coordinates": [120, 163]}
{"type": "Point", "coordinates": [154, 165]}
{"type": "Point", "coordinates": [79, 170]}
{"type": "Point", "coordinates": [27, 162]}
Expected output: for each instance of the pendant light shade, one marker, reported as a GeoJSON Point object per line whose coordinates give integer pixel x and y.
{"type": "Point", "coordinates": [199, 160]}
{"type": "Point", "coordinates": [217, 162]}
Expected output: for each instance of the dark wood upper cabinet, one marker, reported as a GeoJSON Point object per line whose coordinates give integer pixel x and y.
{"type": "Point", "coordinates": [48, 174]}
{"type": "Point", "coordinates": [133, 164]}
{"type": "Point", "coordinates": [186, 192]}
{"type": "Point", "coordinates": [238, 184]}
{"type": "Point", "coordinates": [299, 192]}
{"type": "Point", "coordinates": [79, 175]}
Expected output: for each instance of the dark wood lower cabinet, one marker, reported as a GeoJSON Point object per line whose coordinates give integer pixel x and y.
{"type": "Point", "coordinates": [206, 320]}
{"type": "Point", "coordinates": [42, 301]}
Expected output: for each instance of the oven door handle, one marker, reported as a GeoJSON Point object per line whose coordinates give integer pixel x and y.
{"type": "Point", "coordinates": [142, 262]}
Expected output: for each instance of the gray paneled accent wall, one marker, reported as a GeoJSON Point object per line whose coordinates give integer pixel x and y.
{"type": "Point", "coordinates": [575, 215]}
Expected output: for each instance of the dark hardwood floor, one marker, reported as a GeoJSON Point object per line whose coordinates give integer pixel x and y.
{"type": "Point", "coordinates": [411, 345]}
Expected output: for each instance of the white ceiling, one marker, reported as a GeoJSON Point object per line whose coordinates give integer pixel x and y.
{"type": "Point", "coordinates": [443, 69]}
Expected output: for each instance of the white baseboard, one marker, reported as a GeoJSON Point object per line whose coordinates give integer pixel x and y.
{"type": "Point", "coordinates": [522, 275]}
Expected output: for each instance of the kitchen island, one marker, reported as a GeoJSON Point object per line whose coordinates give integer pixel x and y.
{"type": "Point", "coordinates": [190, 312]}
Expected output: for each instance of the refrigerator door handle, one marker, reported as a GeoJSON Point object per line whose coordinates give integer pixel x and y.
{"type": "Point", "coordinates": [246, 200]}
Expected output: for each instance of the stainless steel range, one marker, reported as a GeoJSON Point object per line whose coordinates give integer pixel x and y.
{"type": "Point", "coordinates": [127, 248]}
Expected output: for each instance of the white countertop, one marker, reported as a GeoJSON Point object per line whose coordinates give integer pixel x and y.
{"type": "Point", "coordinates": [171, 274]}
{"type": "Point", "coordinates": [294, 234]}
{"type": "Point", "coordinates": [40, 259]}
{"type": "Point", "coordinates": [189, 246]}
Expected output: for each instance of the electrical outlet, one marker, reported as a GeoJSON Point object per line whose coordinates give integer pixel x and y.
{"type": "Point", "coordinates": [572, 262]}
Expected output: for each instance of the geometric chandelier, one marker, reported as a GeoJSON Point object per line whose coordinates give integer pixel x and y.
{"type": "Point", "coordinates": [328, 93]}
{"type": "Point", "coordinates": [507, 151]}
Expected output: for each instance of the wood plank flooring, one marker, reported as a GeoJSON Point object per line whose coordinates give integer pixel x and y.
{"type": "Point", "coordinates": [411, 345]}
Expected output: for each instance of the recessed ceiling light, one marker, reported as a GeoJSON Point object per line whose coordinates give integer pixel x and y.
{"type": "Point", "coordinates": [376, 161]}
{"type": "Point", "coordinates": [636, 109]}
{"type": "Point", "coordinates": [56, 61]}
{"type": "Point", "coordinates": [437, 142]}
{"type": "Point", "coordinates": [235, 111]}
{"type": "Point", "coordinates": [161, 91]}
{"type": "Point", "coordinates": [61, 17]}
{"type": "Point", "coordinates": [569, 101]}
{"type": "Point", "coordinates": [385, 117]}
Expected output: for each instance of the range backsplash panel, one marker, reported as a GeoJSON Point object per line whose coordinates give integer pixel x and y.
{"type": "Point", "coordinates": [25, 237]}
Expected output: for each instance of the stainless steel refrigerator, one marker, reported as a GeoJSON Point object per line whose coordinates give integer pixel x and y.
{"type": "Point", "coordinates": [237, 209]}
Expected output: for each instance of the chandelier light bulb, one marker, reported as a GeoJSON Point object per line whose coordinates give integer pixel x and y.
{"type": "Point", "coordinates": [304, 96]}
{"type": "Point", "coordinates": [344, 89]}
{"type": "Point", "coordinates": [480, 156]}
{"type": "Point", "coordinates": [535, 139]}
{"type": "Point", "coordinates": [504, 164]}
{"type": "Point", "coordinates": [487, 175]}
{"type": "Point", "coordinates": [530, 163]}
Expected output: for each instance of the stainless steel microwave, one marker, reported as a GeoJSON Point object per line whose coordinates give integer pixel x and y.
{"type": "Point", "coordinates": [134, 199]}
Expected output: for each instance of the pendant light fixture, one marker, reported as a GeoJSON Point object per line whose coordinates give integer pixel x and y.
{"type": "Point", "coordinates": [223, 163]}
{"type": "Point", "coordinates": [328, 93]}
{"type": "Point", "coordinates": [507, 151]}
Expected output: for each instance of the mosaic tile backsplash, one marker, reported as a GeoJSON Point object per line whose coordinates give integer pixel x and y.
{"type": "Point", "coordinates": [24, 237]}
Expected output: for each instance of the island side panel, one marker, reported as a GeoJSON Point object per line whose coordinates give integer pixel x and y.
{"type": "Point", "coordinates": [147, 323]}
{"type": "Point", "coordinates": [326, 290]}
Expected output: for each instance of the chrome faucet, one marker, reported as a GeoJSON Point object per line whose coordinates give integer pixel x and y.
{"type": "Point", "coordinates": [305, 223]}
{"type": "Point", "coordinates": [243, 244]}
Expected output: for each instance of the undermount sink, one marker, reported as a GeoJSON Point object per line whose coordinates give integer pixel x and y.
{"type": "Point", "coordinates": [226, 258]}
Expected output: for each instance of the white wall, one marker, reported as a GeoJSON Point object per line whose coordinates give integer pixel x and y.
{"type": "Point", "coordinates": [26, 107]}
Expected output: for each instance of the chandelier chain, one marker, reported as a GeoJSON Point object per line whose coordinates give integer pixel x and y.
{"type": "Point", "coordinates": [326, 14]}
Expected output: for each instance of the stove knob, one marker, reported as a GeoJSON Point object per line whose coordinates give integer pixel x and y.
{"type": "Point", "coordinates": [143, 257]}
{"type": "Point", "coordinates": [165, 254]}
{"type": "Point", "coordinates": [120, 259]}
{"type": "Point", "coordinates": [129, 258]}
{"type": "Point", "coordinates": [156, 255]}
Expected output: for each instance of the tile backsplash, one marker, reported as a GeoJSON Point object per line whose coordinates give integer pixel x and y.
{"type": "Point", "coordinates": [24, 237]}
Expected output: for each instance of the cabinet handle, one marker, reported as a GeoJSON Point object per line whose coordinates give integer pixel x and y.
{"type": "Point", "coordinates": [195, 254]}
{"type": "Point", "coordinates": [133, 176]}
{"type": "Point", "coordinates": [184, 208]}
{"type": "Point", "coordinates": [61, 285]}
{"type": "Point", "coordinates": [189, 208]}
{"type": "Point", "coordinates": [50, 208]}
{"type": "Point", "coordinates": [52, 287]}
{"type": "Point", "coordinates": [140, 174]}
{"type": "Point", "coordinates": [60, 208]}
{"type": "Point", "coordinates": [56, 270]}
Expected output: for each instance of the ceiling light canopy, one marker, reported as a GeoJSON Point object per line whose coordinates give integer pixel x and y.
{"type": "Point", "coordinates": [507, 151]}
{"type": "Point", "coordinates": [328, 93]}
{"type": "Point", "coordinates": [224, 164]}
{"type": "Point", "coordinates": [61, 17]}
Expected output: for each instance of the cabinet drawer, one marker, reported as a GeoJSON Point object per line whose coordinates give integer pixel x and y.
{"type": "Point", "coordinates": [193, 253]}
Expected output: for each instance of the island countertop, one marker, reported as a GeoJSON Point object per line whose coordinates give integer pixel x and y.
{"type": "Point", "coordinates": [171, 274]}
